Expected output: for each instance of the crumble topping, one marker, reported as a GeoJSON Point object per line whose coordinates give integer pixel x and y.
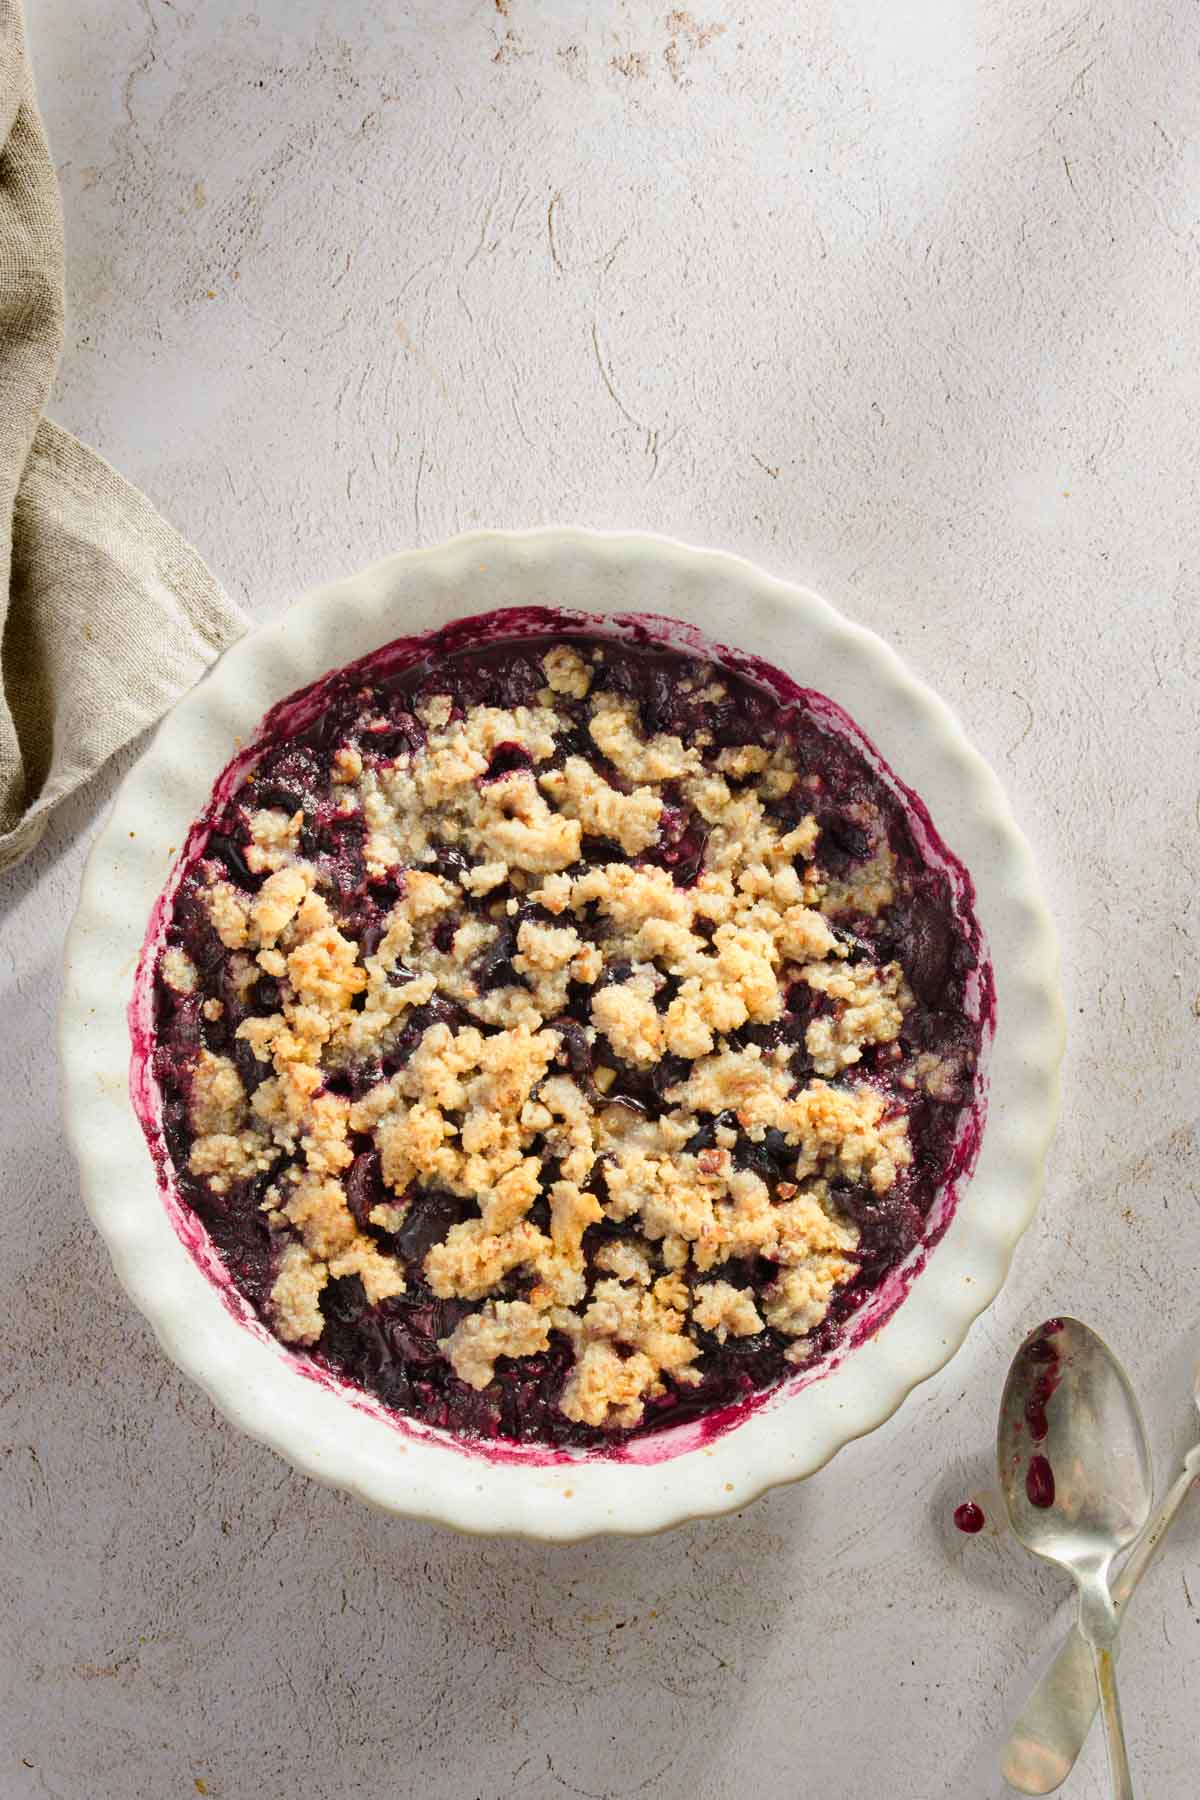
{"type": "Point", "coordinates": [500, 1328]}
{"type": "Point", "coordinates": [218, 1100]}
{"type": "Point", "coordinates": [178, 970]}
{"type": "Point", "coordinates": [566, 671]}
{"type": "Point", "coordinates": [542, 1016]}
{"type": "Point", "coordinates": [866, 891]}
{"type": "Point", "coordinates": [274, 838]}
{"type": "Point", "coordinates": [726, 1311]}
{"type": "Point", "coordinates": [873, 1004]}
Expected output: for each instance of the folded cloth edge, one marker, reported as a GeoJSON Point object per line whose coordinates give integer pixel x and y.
{"type": "Point", "coordinates": [92, 558]}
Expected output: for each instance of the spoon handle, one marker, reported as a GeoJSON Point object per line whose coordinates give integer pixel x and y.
{"type": "Point", "coordinates": [1055, 1720]}
{"type": "Point", "coordinates": [1114, 1731]}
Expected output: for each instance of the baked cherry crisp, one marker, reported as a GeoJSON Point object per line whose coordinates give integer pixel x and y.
{"type": "Point", "coordinates": [563, 1038]}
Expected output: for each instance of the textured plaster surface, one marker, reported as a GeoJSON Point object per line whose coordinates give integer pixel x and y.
{"type": "Point", "coordinates": [900, 300]}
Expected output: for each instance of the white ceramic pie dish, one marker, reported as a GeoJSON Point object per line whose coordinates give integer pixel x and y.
{"type": "Point", "coordinates": [335, 1433]}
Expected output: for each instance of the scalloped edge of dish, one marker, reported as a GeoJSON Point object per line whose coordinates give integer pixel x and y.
{"type": "Point", "coordinates": [330, 1432]}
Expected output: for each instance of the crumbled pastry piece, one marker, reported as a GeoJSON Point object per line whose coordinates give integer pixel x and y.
{"type": "Point", "coordinates": [807, 1223]}
{"type": "Point", "coordinates": [742, 761]}
{"type": "Point", "coordinates": [735, 984]}
{"type": "Point", "coordinates": [389, 1215]}
{"type": "Point", "coordinates": [225, 1157]}
{"type": "Point", "coordinates": [296, 1295]}
{"type": "Point", "coordinates": [316, 1205]}
{"type": "Point", "coordinates": [940, 1076]}
{"type": "Point", "coordinates": [552, 956]}
{"type": "Point", "coordinates": [507, 1006]}
{"type": "Point", "coordinates": [397, 832]}
{"type": "Point", "coordinates": [324, 969]}
{"type": "Point", "coordinates": [566, 671]}
{"type": "Point", "coordinates": [571, 1212]}
{"type": "Point", "coordinates": [560, 1282]}
{"type": "Point", "coordinates": [229, 910]}
{"type": "Point", "coordinates": [217, 1102]}
{"type": "Point", "coordinates": [672, 1290]}
{"type": "Point", "coordinates": [670, 1195]}
{"type": "Point", "coordinates": [417, 1141]}
{"type": "Point", "coordinates": [381, 1275]}
{"type": "Point", "coordinates": [628, 895]}
{"type": "Point", "coordinates": [797, 1301]}
{"type": "Point", "coordinates": [484, 877]}
{"type": "Point", "coordinates": [615, 733]}
{"type": "Point", "coordinates": [742, 831]}
{"type": "Point", "coordinates": [627, 1260]}
{"type": "Point", "coordinates": [554, 894]}
{"type": "Point", "coordinates": [347, 764]}
{"type": "Point", "coordinates": [503, 1205]}
{"type": "Point", "coordinates": [276, 903]}
{"type": "Point", "coordinates": [178, 971]}
{"type": "Point", "coordinates": [629, 1020]}
{"type": "Point", "coordinates": [532, 728]}
{"type": "Point", "coordinates": [870, 1010]}
{"type": "Point", "coordinates": [802, 936]}
{"type": "Point", "coordinates": [471, 1261]}
{"type": "Point", "coordinates": [603, 1389]}
{"type": "Point", "coordinates": [602, 810]}
{"type": "Point", "coordinates": [608, 1389]}
{"type": "Point", "coordinates": [435, 711]}
{"type": "Point", "coordinates": [274, 839]}
{"type": "Point", "coordinates": [514, 824]}
{"type": "Point", "coordinates": [568, 1131]}
{"type": "Point", "coordinates": [865, 892]}
{"type": "Point", "coordinates": [499, 1328]}
{"type": "Point", "coordinates": [846, 1131]}
{"type": "Point", "coordinates": [674, 1252]}
{"type": "Point", "coordinates": [745, 1082]}
{"type": "Point", "coordinates": [726, 1310]}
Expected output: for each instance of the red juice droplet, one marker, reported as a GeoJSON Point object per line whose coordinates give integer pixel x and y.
{"type": "Point", "coordinates": [1039, 1482]}
{"type": "Point", "coordinates": [969, 1517]}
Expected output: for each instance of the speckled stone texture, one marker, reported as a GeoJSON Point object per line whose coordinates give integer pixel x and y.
{"type": "Point", "coordinates": [897, 300]}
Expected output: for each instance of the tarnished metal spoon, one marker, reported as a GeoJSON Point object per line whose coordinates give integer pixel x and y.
{"type": "Point", "coordinates": [1074, 1469]}
{"type": "Point", "coordinates": [1055, 1720]}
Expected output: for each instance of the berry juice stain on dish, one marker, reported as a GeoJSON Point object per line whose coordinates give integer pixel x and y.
{"type": "Point", "coordinates": [1039, 1482]}
{"type": "Point", "coordinates": [1043, 1388]}
{"type": "Point", "coordinates": [562, 1038]}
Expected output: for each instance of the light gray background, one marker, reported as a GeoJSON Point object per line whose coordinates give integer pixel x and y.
{"type": "Point", "coordinates": [898, 299]}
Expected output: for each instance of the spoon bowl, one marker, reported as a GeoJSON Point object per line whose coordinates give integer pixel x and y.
{"type": "Point", "coordinates": [1073, 1459]}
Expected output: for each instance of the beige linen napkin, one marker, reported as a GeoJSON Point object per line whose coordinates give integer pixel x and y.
{"type": "Point", "coordinates": [106, 614]}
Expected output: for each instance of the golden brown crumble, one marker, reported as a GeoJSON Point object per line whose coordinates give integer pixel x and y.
{"type": "Point", "coordinates": [602, 810]}
{"type": "Point", "coordinates": [566, 671]}
{"type": "Point", "coordinates": [274, 838]}
{"type": "Point", "coordinates": [218, 1099]}
{"type": "Point", "coordinates": [867, 890]}
{"type": "Point", "coordinates": [727, 1311]}
{"type": "Point", "coordinates": [499, 1328]}
{"type": "Point", "coordinates": [178, 971]}
{"type": "Point", "coordinates": [873, 1002]}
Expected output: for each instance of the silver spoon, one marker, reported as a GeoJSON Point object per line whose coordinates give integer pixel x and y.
{"type": "Point", "coordinates": [1055, 1720]}
{"type": "Point", "coordinates": [1074, 1470]}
